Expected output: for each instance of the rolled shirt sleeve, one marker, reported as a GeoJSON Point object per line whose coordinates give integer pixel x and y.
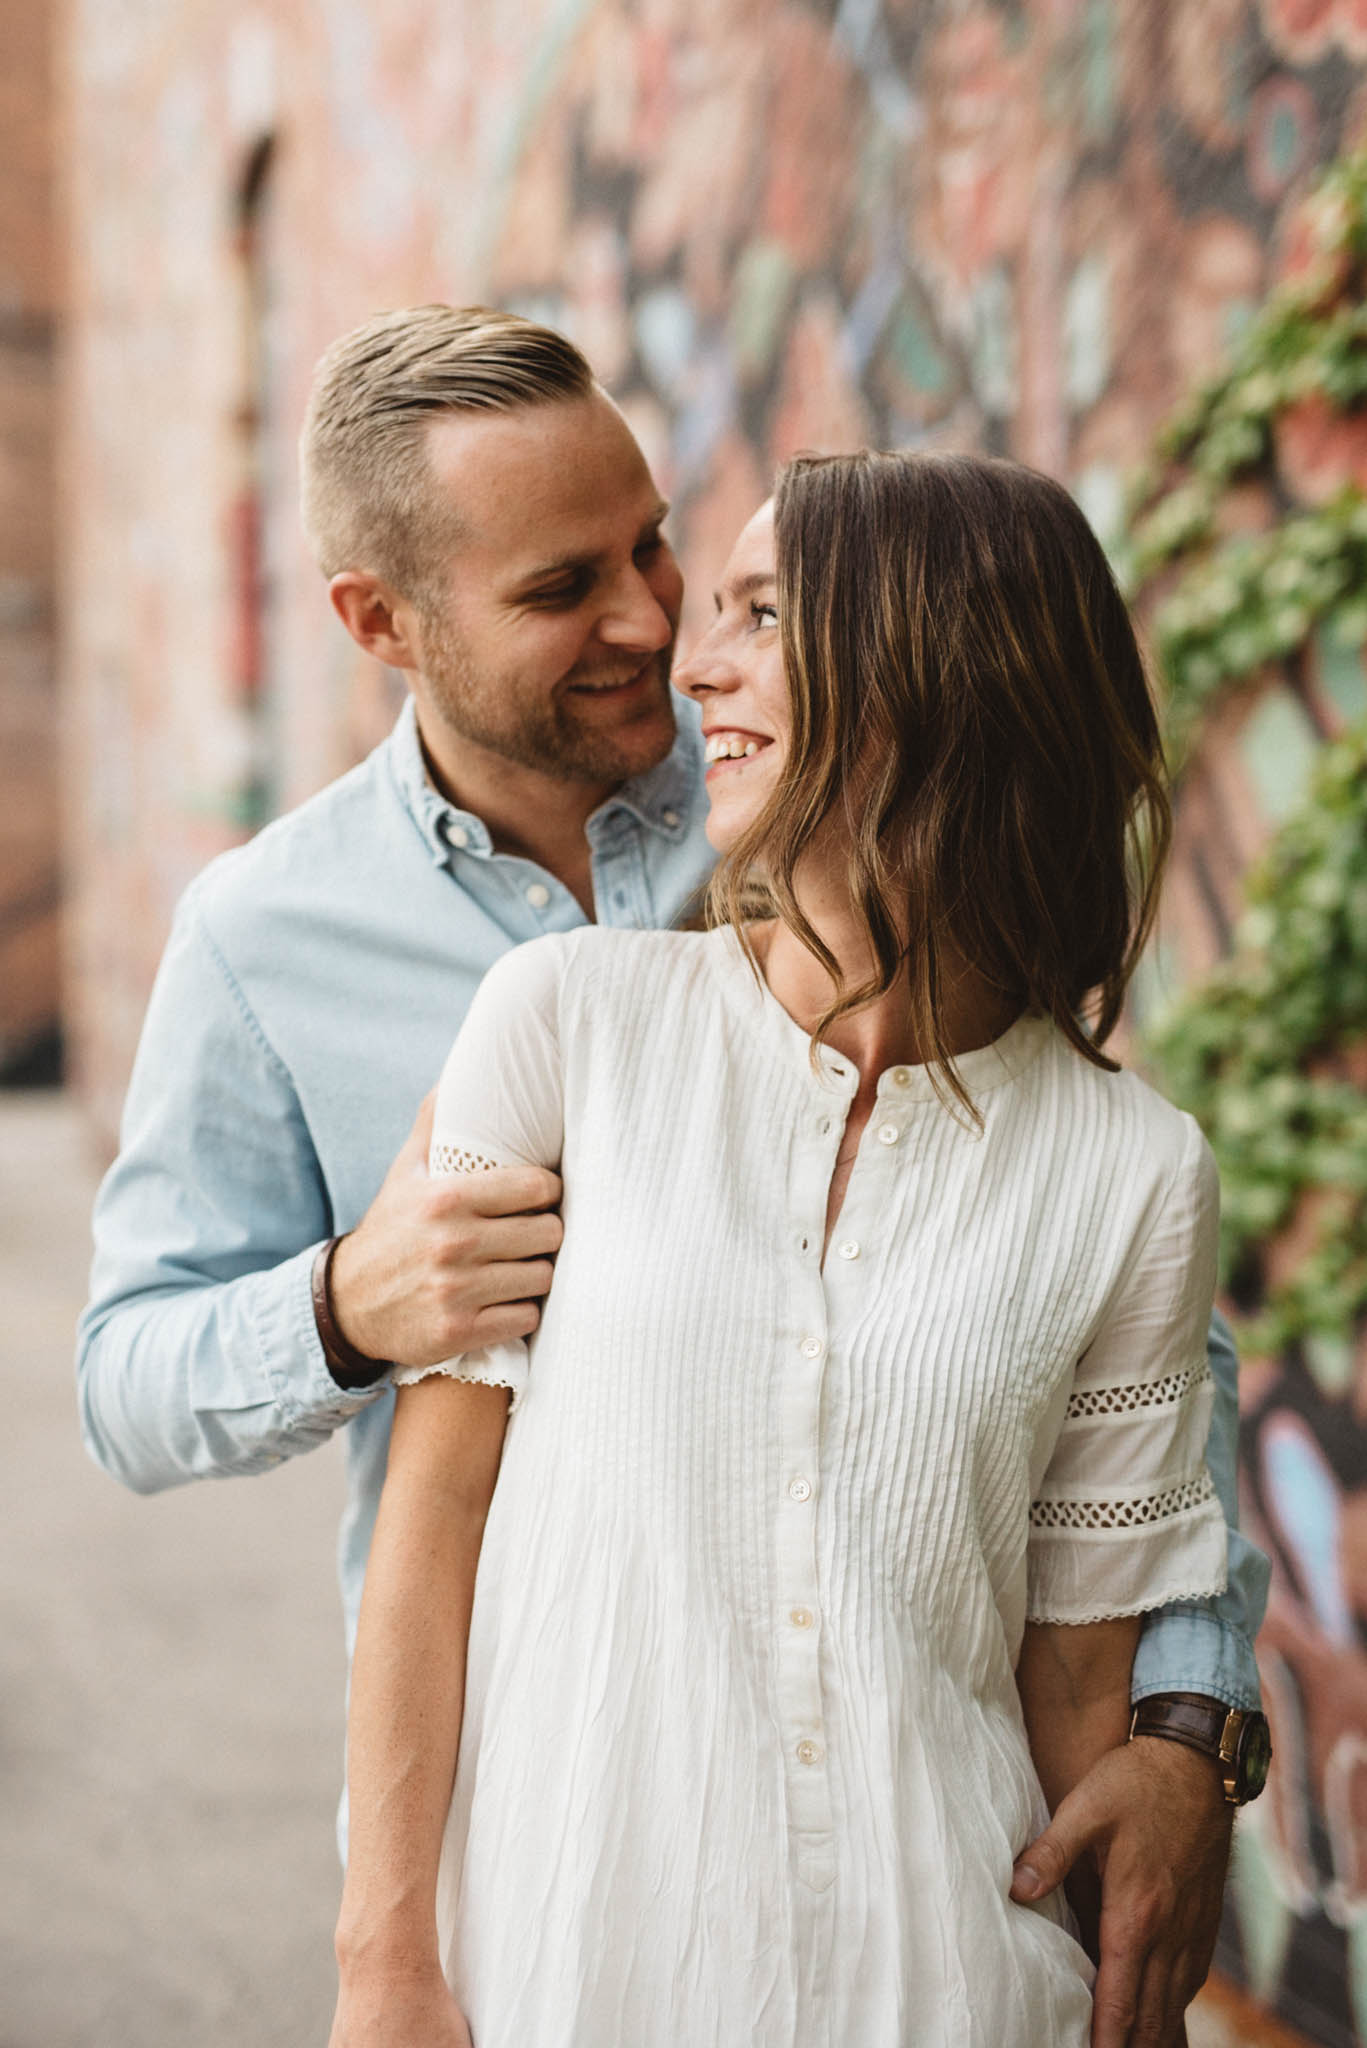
{"type": "Point", "coordinates": [197, 1354]}
{"type": "Point", "coordinates": [1206, 1646]}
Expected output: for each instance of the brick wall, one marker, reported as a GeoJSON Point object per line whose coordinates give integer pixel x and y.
{"type": "Point", "coordinates": [29, 835]}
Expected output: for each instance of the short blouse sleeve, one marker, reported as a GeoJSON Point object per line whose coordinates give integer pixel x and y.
{"type": "Point", "coordinates": [1126, 1517]}
{"type": "Point", "coordinates": [500, 1103]}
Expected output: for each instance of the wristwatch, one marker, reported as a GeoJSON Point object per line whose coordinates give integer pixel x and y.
{"type": "Point", "coordinates": [1237, 1739]}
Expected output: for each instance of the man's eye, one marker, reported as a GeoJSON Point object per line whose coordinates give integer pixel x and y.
{"type": "Point", "coordinates": [646, 549]}
{"type": "Point", "coordinates": [559, 594]}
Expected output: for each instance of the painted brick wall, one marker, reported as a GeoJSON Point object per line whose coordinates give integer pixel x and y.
{"type": "Point", "coordinates": [29, 835]}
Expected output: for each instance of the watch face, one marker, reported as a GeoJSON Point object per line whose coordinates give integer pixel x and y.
{"type": "Point", "coordinates": [1255, 1756]}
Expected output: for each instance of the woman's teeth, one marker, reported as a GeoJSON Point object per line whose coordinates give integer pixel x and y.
{"type": "Point", "coordinates": [729, 746]}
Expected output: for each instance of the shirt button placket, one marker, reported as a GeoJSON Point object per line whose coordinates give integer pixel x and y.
{"type": "Point", "coordinates": [798, 1618]}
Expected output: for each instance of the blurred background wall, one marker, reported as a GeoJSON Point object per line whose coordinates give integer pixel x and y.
{"type": "Point", "coordinates": [1027, 225]}
{"type": "Point", "coordinates": [29, 833]}
{"type": "Point", "coordinates": [771, 223]}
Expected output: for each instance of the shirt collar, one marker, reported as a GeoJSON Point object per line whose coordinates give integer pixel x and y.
{"type": "Point", "coordinates": [664, 799]}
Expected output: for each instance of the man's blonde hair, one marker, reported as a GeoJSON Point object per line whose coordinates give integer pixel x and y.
{"type": "Point", "coordinates": [366, 485]}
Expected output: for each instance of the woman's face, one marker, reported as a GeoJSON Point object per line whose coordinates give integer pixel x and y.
{"type": "Point", "coordinates": [735, 674]}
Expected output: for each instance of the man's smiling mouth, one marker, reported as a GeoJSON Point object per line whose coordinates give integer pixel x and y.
{"type": "Point", "coordinates": [615, 687]}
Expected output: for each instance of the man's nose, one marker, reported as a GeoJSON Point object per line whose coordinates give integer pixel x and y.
{"type": "Point", "coordinates": [637, 617]}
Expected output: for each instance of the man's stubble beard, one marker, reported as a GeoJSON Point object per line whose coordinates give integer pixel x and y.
{"type": "Point", "coordinates": [541, 735]}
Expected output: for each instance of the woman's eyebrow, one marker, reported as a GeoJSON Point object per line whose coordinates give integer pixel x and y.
{"type": "Point", "coordinates": [744, 586]}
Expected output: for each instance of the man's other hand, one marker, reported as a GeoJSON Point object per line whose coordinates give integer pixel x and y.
{"type": "Point", "coordinates": [442, 1264]}
{"type": "Point", "coordinates": [1154, 1819]}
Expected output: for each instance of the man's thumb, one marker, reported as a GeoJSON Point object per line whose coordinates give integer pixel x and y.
{"type": "Point", "coordinates": [1044, 1863]}
{"type": "Point", "coordinates": [419, 1140]}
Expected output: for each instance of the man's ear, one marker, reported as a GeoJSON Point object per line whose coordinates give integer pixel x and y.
{"type": "Point", "coordinates": [377, 620]}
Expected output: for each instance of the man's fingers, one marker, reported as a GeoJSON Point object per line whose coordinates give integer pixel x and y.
{"type": "Point", "coordinates": [463, 1241]}
{"type": "Point", "coordinates": [521, 1237]}
{"type": "Point", "coordinates": [1141, 1993]}
{"type": "Point", "coordinates": [1042, 1866]}
{"type": "Point", "coordinates": [509, 1320]}
{"type": "Point", "coordinates": [513, 1190]}
{"type": "Point", "coordinates": [517, 1280]}
{"type": "Point", "coordinates": [1157, 2021]}
{"type": "Point", "coordinates": [418, 1143]}
{"type": "Point", "coordinates": [1116, 1994]}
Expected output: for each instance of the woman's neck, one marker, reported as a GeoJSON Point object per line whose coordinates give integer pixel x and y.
{"type": "Point", "coordinates": [880, 1034]}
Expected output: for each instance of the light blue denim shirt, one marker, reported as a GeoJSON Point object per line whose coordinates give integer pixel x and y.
{"type": "Point", "coordinates": [310, 990]}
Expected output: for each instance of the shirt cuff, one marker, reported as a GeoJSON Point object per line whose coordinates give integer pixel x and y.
{"type": "Point", "coordinates": [1188, 1649]}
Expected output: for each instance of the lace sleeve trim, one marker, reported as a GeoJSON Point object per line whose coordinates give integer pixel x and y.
{"type": "Point", "coordinates": [1071, 1618]}
{"type": "Point", "coordinates": [455, 1159]}
{"type": "Point", "coordinates": [1124, 1514]}
{"type": "Point", "coordinates": [1164, 1393]}
{"type": "Point", "coordinates": [452, 1369]}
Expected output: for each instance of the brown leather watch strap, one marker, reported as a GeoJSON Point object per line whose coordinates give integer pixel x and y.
{"type": "Point", "coordinates": [349, 1367]}
{"type": "Point", "coordinates": [1199, 1724]}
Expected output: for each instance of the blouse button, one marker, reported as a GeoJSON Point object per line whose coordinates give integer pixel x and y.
{"type": "Point", "coordinates": [670, 818]}
{"type": "Point", "coordinates": [901, 1077]}
{"type": "Point", "coordinates": [459, 837]}
{"type": "Point", "coordinates": [538, 895]}
{"type": "Point", "coordinates": [801, 1617]}
{"type": "Point", "coordinates": [800, 1489]}
{"type": "Point", "coordinates": [811, 1347]}
{"type": "Point", "coordinates": [848, 1250]}
{"type": "Point", "coordinates": [809, 1752]}
{"type": "Point", "coordinates": [888, 1134]}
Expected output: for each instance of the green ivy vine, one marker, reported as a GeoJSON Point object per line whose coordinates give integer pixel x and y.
{"type": "Point", "coordinates": [1270, 1053]}
{"type": "Point", "coordinates": [1269, 1056]}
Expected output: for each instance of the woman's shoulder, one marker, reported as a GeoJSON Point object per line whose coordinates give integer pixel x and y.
{"type": "Point", "coordinates": [594, 964]}
{"type": "Point", "coordinates": [613, 952]}
{"type": "Point", "coordinates": [1120, 1108]}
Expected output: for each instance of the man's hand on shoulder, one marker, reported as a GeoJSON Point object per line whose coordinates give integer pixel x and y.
{"type": "Point", "coordinates": [443, 1264]}
{"type": "Point", "coordinates": [1155, 1820]}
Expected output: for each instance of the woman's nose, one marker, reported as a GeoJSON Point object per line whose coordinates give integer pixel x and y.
{"type": "Point", "coordinates": [705, 669]}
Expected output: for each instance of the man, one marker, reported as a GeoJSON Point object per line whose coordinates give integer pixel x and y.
{"type": "Point", "coordinates": [488, 525]}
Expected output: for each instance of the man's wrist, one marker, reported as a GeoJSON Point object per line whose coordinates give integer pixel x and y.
{"type": "Point", "coordinates": [351, 1369]}
{"type": "Point", "coordinates": [1233, 1740]}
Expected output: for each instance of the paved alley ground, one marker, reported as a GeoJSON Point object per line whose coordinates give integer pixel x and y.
{"type": "Point", "coordinates": [171, 1675]}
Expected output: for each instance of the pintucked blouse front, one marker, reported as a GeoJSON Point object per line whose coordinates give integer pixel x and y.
{"type": "Point", "coordinates": [743, 1759]}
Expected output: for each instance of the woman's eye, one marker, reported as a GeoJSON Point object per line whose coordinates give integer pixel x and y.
{"type": "Point", "coordinates": [764, 614]}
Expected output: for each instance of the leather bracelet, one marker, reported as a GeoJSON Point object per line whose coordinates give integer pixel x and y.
{"type": "Point", "coordinates": [349, 1367]}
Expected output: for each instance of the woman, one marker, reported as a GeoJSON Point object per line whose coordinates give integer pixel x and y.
{"type": "Point", "coordinates": [867, 1410]}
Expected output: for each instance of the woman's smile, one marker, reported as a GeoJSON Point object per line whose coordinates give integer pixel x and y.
{"type": "Point", "coordinates": [729, 747]}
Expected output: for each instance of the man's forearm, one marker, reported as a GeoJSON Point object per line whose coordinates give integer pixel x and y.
{"type": "Point", "coordinates": [206, 1381]}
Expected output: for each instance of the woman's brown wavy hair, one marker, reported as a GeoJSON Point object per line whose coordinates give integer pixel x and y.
{"type": "Point", "coordinates": [967, 691]}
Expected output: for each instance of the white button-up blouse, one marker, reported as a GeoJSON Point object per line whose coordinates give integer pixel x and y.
{"type": "Point", "coordinates": [743, 1759]}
